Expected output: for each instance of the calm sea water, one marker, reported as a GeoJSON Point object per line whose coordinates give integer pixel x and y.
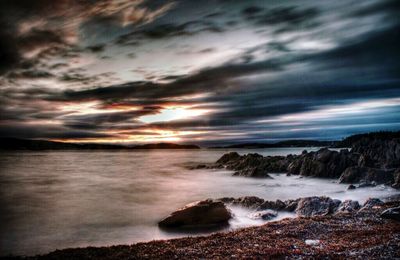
{"type": "Point", "coordinates": [55, 200]}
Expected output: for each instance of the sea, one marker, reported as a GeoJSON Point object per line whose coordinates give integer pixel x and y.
{"type": "Point", "coordinates": [61, 199]}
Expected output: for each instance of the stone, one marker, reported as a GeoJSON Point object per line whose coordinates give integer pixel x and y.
{"type": "Point", "coordinates": [202, 213]}
{"type": "Point", "coordinates": [391, 213]}
{"type": "Point", "coordinates": [264, 215]}
{"type": "Point", "coordinates": [228, 157]}
{"type": "Point", "coordinates": [396, 177]}
{"type": "Point", "coordinates": [274, 205]}
{"type": "Point", "coordinates": [351, 187]}
{"type": "Point", "coordinates": [357, 174]}
{"type": "Point", "coordinates": [316, 206]}
{"type": "Point", "coordinates": [370, 203]}
{"type": "Point", "coordinates": [349, 206]}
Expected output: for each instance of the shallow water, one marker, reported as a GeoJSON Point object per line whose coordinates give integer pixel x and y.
{"type": "Point", "coordinates": [55, 200]}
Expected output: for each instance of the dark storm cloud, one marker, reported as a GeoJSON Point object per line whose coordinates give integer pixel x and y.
{"type": "Point", "coordinates": [96, 48]}
{"type": "Point", "coordinates": [29, 74]}
{"type": "Point", "coordinates": [169, 30]}
{"type": "Point", "coordinates": [45, 24]}
{"type": "Point", "coordinates": [377, 49]}
{"type": "Point", "coordinates": [288, 18]}
{"type": "Point", "coordinates": [212, 79]}
{"type": "Point", "coordinates": [45, 131]}
{"type": "Point", "coordinates": [391, 7]}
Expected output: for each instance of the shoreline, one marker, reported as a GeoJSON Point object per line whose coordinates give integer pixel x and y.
{"type": "Point", "coordinates": [346, 235]}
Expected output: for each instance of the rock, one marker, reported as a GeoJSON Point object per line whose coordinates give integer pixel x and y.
{"type": "Point", "coordinates": [202, 213]}
{"type": "Point", "coordinates": [365, 161]}
{"type": "Point", "coordinates": [228, 157]}
{"type": "Point", "coordinates": [312, 242]}
{"type": "Point", "coordinates": [248, 201]}
{"type": "Point", "coordinates": [274, 205]}
{"type": "Point", "coordinates": [366, 184]}
{"type": "Point", "coordinates": [351, 187]}
{"type": "Point", "coordinates": [357, 174]}
{"type": "Point", "coordinates": [316, 206]}
{"type": "Point", "coordinates": [396, 177]}
{"type": "Point", "coordinates": [391, 213]}
{"type": "Point", "coordinates": [352, 174]}
{"type": "Point", "coordinates": [291, 205]}
{"type": "Point", "coordinates": [324, 163]}
{"type": "Point", "coordinates": [349, 206]}
{"type": "Point", "coordinates": [265, 215]}
{"type": "Point", "coordinates": [370, 203]}
{"type": "Point", "coordinates": [384, 153]}
{"type": "Point", "coordinates": [255, 165]}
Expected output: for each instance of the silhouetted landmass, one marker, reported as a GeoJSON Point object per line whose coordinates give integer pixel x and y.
{"type": "Point", "coordinates": [382, 135]}
{"type": "Point", "coordinates": [288, 143]}
{"type": "Point", "coordinates": [25, 144]}
{"type": "Point", "coordinates": [166, 146]}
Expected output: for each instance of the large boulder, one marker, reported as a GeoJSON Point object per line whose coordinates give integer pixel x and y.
{"type": "Point", "coordinates": [324, 163]}
{"type": "Point", "coordinates": [316, 206]}
{"type": "Point", "coordinates": [384, 153]}
{"type": "Point", "coordinates": [197, 214]}
{"type": "Point", "coordinates": [358, 174]}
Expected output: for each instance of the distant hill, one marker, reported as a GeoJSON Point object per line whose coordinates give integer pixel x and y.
{"type": "Point", "coordinates": [26, 144]}
{"type": "Point", "coordinates": [166, 146]}
{"type": "Point", "coordinates": [382, 135]}
{"type": "Point", "coordinates": [288, 143]}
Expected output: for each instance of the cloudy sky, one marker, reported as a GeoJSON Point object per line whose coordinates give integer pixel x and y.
{"type": "Point", "coordinates": [206, 72]}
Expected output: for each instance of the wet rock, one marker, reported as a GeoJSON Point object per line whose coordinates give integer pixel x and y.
{"type": "Point", "coordinates": [396, 177]}
{"type": "Point", "coordinates": [366, 184]}
{"type": "Point", "coordinates": [370, 203]}
{"type": "Point", "coordinates": [265, 215]}
{"type": "Point", "coordinates": [391, 213]}
{"type": "Point", "coordinates": [324, 163]}
{"type": "Point", "coordinates": [365, 161]}
{"type": "Point", "coordinates": [384, 153]}
{"type": "Point", "coordinates": [316, 206]}
{"type": "Point", "coordinates": [255, 165]}
{"type": "Point", "coordinates": [274, 205]}
{"type": "Point", "coordinates": [291, 205]}
{"type": "Point", "coordinates": [351, 187]}
{"type": "Point", "coordinates": [248, 201]}
{"type": "Point", "coordinates": [228, 157]}
{"type": "Point", "coordinates": [357, 174]}
{"type": "Point", "coordinates": [349, 206]}
{"type": "Point", "coordinates": [202, 213]}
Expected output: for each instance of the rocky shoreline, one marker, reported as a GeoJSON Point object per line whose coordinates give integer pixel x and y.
{"type": "Point", "coordinates": [360, 234]}
{"type": "Point", "coordinates": [369, 162]}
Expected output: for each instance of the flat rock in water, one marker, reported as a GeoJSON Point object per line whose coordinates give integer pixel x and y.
{"type": "Point", "coordinates": [198, 214]}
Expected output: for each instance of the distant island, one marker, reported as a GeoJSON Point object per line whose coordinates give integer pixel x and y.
{"type": "Point", "coordinates": [31, 144]}
{"type": "Point", "coordinates": [287, 143]}
{"type": "Point", "coordinates": [26, 144]}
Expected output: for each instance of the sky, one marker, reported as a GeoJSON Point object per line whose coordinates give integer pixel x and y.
{"type": "Point", "coordinates": [203, 72]}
